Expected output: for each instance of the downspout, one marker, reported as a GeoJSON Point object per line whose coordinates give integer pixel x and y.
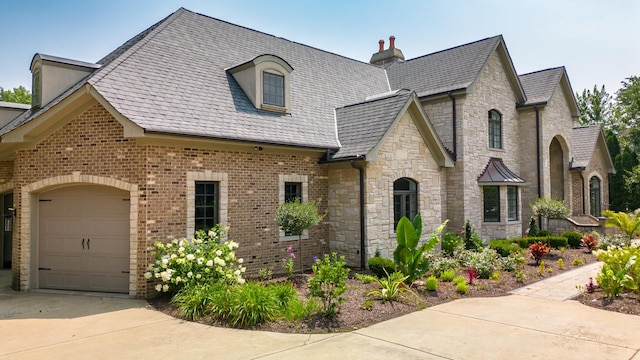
{"type": "Point", "coordinates": [362, 229]}
{"type": "Point", "coordinates": [539, 171]}
{"type": "Point", "coordinates": [454, 121]}
{"type": "Point", "coordinates": [538, 150]}
{"type": "Point", "coordinates": [584, 206]}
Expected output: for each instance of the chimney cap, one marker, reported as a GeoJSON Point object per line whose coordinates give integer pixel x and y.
{"type": "Point", "coordinates": [381, 45]}
{"type": "Point", "coordinates": [392, 40]}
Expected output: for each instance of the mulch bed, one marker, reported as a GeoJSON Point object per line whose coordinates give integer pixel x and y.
{"type": "Point", "coordinates": [352, 316]}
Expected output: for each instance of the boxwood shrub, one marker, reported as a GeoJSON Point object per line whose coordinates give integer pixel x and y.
{"type": "Point", "coordinates": [378, 265]}
{"type": "Point", "coordinates": [573, 238]}
{"type": "Point", "coordinates": [505, 247]}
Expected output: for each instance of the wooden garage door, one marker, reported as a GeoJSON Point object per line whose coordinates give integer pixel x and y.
{"type": "Point", "coordinates": [84, 239]}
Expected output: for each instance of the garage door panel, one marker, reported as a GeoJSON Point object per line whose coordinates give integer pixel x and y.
{"type": "Point", "coordinates": [100, 216]}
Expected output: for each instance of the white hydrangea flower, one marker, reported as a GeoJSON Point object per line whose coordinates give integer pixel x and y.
{"type": "Point", "coordinates": [191, 257]}
{"type": "Point", "coordinates": [190, 274]}
{"type": "Point", "coordinates": [241, 281]}
{"type": "Point", "coordinates": [165, 276]}
{"type": "Point", "coordinates": [210, 263]}
{"type": "Point", "coordinates": [165, 288]}
{"type": "Point", "coordinates": [240, 261]}
{"type": "Point", "coordinates": [200, 261]}
{"type": "Point", "coordinates": [148, 275]}
{"type": "Point", "coordinates": [198, 276]}
{"type": "Point", "coordinates": [159, 287]}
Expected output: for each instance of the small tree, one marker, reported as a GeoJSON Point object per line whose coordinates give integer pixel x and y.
{"type": "Point", "coordinates": [627, 223]}
{"type": "Point", "coordinates": [550, 209]}
{"type": "Point", "coordinates": [294, 217]}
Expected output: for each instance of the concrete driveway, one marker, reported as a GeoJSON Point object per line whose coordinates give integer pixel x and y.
{"type": "Point", "coordinates": [39, 325]}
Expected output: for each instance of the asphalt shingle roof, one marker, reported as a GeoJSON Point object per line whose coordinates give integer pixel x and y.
{"type": "Point", "coordinates": [362, 126]}
{"type": "Point", "coordinates": [540, 85]}
{"type": "Point", "coordinates": [585, 139]}
{"type": "Point", "coordinates": [171, 78]}
{"type": "Point", "coordinates": [447, 70]}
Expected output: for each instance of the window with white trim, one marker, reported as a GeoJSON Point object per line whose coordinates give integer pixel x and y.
{"type": "Point", "coordinates": [206, 207]}
{"type": "Point", "coordinates": [405, 200]}
{"type": "Point", "coordinates": [290, 187]}
{"type": "Point", "coordinates": [207, 200]}
{"type": "Point", "coordinates": [272, 89]}
{"type": "Point", "coordinates": [595, 203]}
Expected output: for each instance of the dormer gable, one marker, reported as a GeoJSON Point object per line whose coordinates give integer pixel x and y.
{"type": "Point", "coordinates": [265, 80]}
{"type": "Point", "coordinates": [52, 75]}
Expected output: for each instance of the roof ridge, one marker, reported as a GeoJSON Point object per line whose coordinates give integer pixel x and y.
{"type": "Point", "coordinates": [452, 48]}
{"type": "Point", "coordinates": [401, 92]}
{"type": "Point", "coordinates": [543, 70]}
{"type": "Point", "coordinates": [147, 34]}
{"type": "Point", "coordinates": [285, 39]}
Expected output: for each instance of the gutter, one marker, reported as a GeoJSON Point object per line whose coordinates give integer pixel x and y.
{"type": "Point", "coordinates": [360, 168]}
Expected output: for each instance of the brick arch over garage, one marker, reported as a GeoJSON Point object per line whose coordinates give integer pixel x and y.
{"type": "Point", "coordinates": [28, 226]}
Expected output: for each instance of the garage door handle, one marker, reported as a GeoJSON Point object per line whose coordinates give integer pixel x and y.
{"type": "Point", "coordinates": [82, 243]}
{"type": "Point", "coordinates": [88, 243]}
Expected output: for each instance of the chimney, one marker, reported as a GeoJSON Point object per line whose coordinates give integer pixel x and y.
{"type": "Point", "coordinates": [383, 57]}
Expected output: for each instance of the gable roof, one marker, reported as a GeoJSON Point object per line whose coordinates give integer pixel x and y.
{"type": "Point", "coordinates": [454, 69]}
{"type": "Point", "coordinates": [585, 139]}
{"type": "Point", "coordinates": [363, 127]}
{"type": "Point", "coordinates": [541, 85]}
{"type": "Point", "coordinates": [171, 79]}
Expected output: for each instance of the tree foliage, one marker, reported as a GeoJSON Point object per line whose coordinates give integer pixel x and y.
{"type": "Point", "coordinates": [18, 95]}
{"type": "Point", "coordinates": [596, 107]}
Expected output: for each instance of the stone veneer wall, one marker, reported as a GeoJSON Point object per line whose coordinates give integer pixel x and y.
{"type": "Point", "coordinates": [528, 163]}
{"type": "Point", "coordinates": [491, 90]}
{"type": "Point", "coordinates": [556, 121]}
{"type": "Point", "coordinates": [344, 212]}
{"type": "Point", "coordinates": [403, 154]}
{"type": "Point", "coordinates": [598, 167]}
{"type": "Point", "coordinates": [92, 147]}
{"type": "Point", "coordinates": [578, 193]}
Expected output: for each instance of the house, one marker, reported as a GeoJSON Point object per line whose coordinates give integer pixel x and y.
{"type": "Point", "coordinates": [196, 121]}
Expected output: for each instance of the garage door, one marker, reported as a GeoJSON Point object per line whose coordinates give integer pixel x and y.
{"type": "Point", "coordinates": [84, 239]}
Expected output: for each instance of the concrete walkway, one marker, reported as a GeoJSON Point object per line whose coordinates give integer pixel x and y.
{"type": "Point", "coordinates": [38, 325]}
{"type": "Point", "coordinates": [563, 286]}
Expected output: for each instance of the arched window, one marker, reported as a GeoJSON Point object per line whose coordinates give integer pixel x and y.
{"type": "Point", "coordinates": [594, 196]}
{"type": "Point", "coordinates": [495, 129]}
{"type": "Point", "coordinates": [405, 199]}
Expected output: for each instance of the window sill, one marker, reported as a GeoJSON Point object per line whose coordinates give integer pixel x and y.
{"type": "Point", "coordinates": [293, 237]}
{"type": "Point", "coordinates": [273, 108]}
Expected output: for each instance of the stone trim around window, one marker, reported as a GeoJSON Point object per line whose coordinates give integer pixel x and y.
{"type": "Point", "coordinates": [223, 188]}
{"type": "Point", "coordinates": [285, 178]}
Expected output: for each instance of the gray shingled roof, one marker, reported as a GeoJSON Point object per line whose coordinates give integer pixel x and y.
{"type": "Point", "coordinates": [497, 172]}
{"type": "Point", "coordinates": [362, 126]}
{"type": "Point", "coordinates": [171, 79]}
{"type": "Point", "coordinates": [447, 70]}
{"type": "Point", "coordinates": [585, 139]}
{"type": "Point", "coordinates": [540, 85]}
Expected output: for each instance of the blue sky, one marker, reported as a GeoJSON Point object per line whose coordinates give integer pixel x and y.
{"type": "Point", "coordinates": [596, 40]}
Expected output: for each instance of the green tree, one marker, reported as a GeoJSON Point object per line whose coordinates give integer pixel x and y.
{"type": "Point", "coordinates": [294, 217]}
{"type": "Point", "coordinates": [18, 95]}
{"type": "Point", "coordinates": [628, 102]}
{"type": "Point", "coordinates": [596, 107]}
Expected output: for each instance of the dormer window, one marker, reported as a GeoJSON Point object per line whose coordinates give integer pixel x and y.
{"type": "Point", "coordinates": [265, 81]}
{"type": "Point", "coordinates": [272, 89]}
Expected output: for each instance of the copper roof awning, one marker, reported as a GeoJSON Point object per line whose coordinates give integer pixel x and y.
{"type": "Point", "coordinates": [497, 173]}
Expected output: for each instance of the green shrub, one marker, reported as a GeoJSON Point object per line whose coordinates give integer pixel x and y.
{"type": "Point", "coordinates": [484, 262]}
{"type": "Point", "coordinates": [253, 303]}
{"type": "Point", "coordinates": [450, 242]}
{"type": "Point", "coordinates": [504, 247]}
{"type": "Point", "coordinates": [550, 209]}
{"type": "Point", "coordinates": [532, 230]}
{"type": "Point", "coordinates": [462, 287]}
{"type": "Point", "coordinates": [431, 284]}
{"type": "Point", "coordinates": [447, 275]}
{"type": "Point", "coordinates": [328, 282]}
{"type": "Point", "coordinates": [543, 233]}
{"type": "Point", "coordinates": [472, 241]}
{"type": "Point", "coordinates": [573, 238]}
{"type": "Point", "coordinates": [200, 261]}
{"type": "Point", "coordinates": [555, 242]}
{"type": "Point", "coordinates": [440, 264]}
{"type": "Point", "coordinates": [365, 279]}
{"type": "Point", "coordinates": [459, 279]}
{"type": "Point", "coordinates": [381, 267]}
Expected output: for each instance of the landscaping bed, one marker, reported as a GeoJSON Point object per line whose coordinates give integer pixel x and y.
{"type": "Point", "coordinates": [360, 310]}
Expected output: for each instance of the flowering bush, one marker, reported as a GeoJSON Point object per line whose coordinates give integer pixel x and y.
{"type": "Point", "coordinates": [200, 261]}
{"type": "Point", "coordinates": [538, 251]}
{"type": "Point", "coordinates": [484, 262]}
{"type": "Point", "coordinates": [287, 263]}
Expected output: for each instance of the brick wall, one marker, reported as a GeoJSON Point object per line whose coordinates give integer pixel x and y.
{"type": "Point", "coordinates": [92, 148]}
